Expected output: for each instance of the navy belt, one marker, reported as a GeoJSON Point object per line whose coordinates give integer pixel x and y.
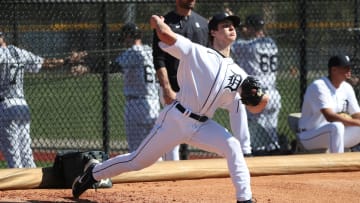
{"type": "Point", "coordinates": [191, 115]}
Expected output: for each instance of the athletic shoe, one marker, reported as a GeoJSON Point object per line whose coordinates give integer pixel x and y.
{"type": "Point", "coordinates": [86, 180]}
{"type": "Point", "coordinates": [248, 155]}
{"type": "Point", "coordinates": [104, 183]}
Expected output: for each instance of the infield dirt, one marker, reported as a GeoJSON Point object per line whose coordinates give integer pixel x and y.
{"type": "Point", "coordinates": [300, 188]}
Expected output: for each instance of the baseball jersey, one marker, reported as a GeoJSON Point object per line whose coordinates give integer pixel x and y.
{"type": "Point", "coordinates": [322, 94]}
{"type": "Point", "coordinates": [258, 57]}
{"type": "Point", "coordinates": [13, 63]}
{"type": "Point", "coordinates": [193, 27]}
{"type": "Point", "coordinates": [208, 81]}
{"type": "Point", "coordinates": [139, 73]}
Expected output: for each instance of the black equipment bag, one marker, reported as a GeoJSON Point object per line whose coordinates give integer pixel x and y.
{"type": "Point", "coordinates": [70, 164]}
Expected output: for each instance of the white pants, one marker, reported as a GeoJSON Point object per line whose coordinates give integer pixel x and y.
{"type": "Point", "coordinates": [171, 128]}
{"type": "Point", "coordinates": [15, 140]}
{"type": "Point", "coordinates": [334, 136]}
{"type": "Point", "coordinates": [174, 153]}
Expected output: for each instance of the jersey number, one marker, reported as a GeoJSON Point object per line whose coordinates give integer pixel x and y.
{"type": "Point", "coordinates": [14, 71]}
{"type": "Point", "coordinates": [268, 63]}
{"type": "Point", "coordinates": [149, 74]}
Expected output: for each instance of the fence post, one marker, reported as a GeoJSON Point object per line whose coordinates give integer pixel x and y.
{"type": "Point", "coordinates": [15, 25]}
{"type": "Point", "coordinates": [303, 70]}
{"type": "Point", "coordinates": [356, 27]}
{"type": "Point", "coordinates": [105, 80]}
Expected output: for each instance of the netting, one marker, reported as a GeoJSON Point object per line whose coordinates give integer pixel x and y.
{"type": "Point", "coordinates": [87, 112]}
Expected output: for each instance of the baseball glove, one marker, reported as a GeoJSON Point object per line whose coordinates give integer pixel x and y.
{"type": "Point", "coordinates": [344, 114]}
{"type": "Point", "coordinates": [251, 91]}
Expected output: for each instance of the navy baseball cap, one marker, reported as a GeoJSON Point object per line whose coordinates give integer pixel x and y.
{"type": "Point", "coordinates": [131, 30]}
{"type": "Point", "coordinates": [255, 21]}
{"type": "Point", "coordinates": [220, 17]}
{"type": "Point", "coordinates": [339, 61]}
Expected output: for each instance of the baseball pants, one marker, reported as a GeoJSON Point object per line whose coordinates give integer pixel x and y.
{"type": "Point", "coordinates": [174, 153]}
{"type": "Point", "coordinates": [171, 128]}
{"type": "Point", "coordinates": [334, 136]}
{"type": "Point", "coordinates": [15, 141]}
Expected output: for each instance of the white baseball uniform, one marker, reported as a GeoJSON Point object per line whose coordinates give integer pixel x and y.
{"type": "Point", "coordinates": [316, 131]}
{"type": "Point", "coordinates": [141, 91]}
{"type": "Point", "coordinates": [258, 57]}
{"type": "Point", "coordinates": [15, 140]}
{"type": "Point", "coordinates": [207, 81]}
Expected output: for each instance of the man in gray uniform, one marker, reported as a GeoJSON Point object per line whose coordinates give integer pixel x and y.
{"type": "Point", "coordinates": [140, 85]}
{"type": "Point", "coordinates": [257, 55]}
{"type": "Point", "coordinates": [15, 141]}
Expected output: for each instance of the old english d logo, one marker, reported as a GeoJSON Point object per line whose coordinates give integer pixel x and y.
{"type": "Point", "coordinates": [234, 82]}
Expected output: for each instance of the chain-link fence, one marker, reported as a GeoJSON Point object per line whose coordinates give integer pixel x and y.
{"type": "Point", "coordinates": [87, 112]}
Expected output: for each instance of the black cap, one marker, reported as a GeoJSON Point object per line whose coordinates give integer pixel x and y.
{"type": "Point", "coordinates": [132, 30]}
{"type": "Point", "coordinates": [220, 17]}
{"type": "Point", "coordinates": [255, 21]}
{"type": "Point", "coordinates": [339, 60]}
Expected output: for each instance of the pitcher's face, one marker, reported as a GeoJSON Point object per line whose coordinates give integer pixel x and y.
{"type": "Point", "coordinates": [226, 31]}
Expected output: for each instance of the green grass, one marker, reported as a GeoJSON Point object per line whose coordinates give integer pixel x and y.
{"type": "Point", "coordinates": [68, 107]}
{"type": "Point", "coordinates": [71, 107]}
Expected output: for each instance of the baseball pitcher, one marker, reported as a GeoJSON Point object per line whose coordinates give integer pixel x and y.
{"type": "Point", "coordinates": [208, 80]}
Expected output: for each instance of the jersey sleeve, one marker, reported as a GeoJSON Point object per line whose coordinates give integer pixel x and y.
{"type": "Point", "coordinates": [130, 58]}
{"type": "Point", "coordinates": [233, 107]}
{"type": "Point", "coordinates": [32, 62]}
{"type": "Point", "coordinates": [238, 119]}
{"type": "Point", "coordinates": [181, 47]}
{"type": "Point", "coordinates": [319, 95]}
{"type": "Point", "coordinates": [353, 103]}
{"type": "Point", "coordinates": [122, 61]}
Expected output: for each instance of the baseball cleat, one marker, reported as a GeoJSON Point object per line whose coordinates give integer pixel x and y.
{"type": "Point", "coordinates": [84, 181]}
{"type": "Point", "coordinates": [246, 201]}
{"type": "Point", "coordinates": [248, 155]}
{"type": "Point", "coordinates": [104, 183]}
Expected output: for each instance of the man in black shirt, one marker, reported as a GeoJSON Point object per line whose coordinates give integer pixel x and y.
{"type": "Point", "coordinates": [183, 20]}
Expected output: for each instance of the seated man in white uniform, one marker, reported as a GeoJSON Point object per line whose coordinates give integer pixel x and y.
{"type": "Point", "coordinates": [330, 113]}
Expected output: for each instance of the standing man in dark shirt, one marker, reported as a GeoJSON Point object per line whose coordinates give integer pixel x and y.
{"type": "Point", "coordinates": [183, 20]}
